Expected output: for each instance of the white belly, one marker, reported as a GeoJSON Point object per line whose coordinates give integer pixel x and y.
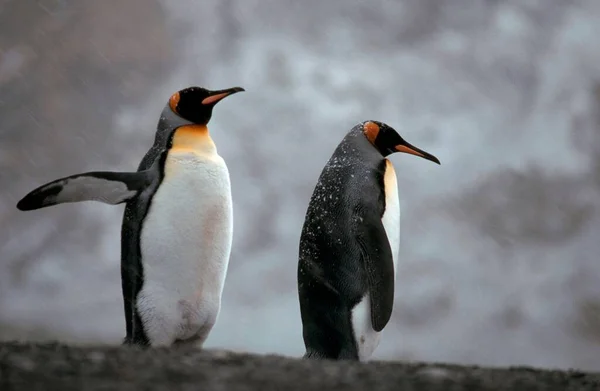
{"type": "Point", "coordinates": [185, 247]}
{"type": "Point", "coordinates": [391, 216]}
{"type": "Point", "coordinates": [367, 339]}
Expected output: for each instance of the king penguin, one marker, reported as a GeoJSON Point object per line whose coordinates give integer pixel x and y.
{"type": "Point", "coordinates": [177, 226]}
{"type": "Point", "coordinates": [349, 244]}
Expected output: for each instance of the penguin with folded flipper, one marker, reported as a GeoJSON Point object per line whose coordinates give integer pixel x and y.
{"type": "Point", "coordinates": [177, 226]}
{"type": "Point", "coordinates": [348, 249]}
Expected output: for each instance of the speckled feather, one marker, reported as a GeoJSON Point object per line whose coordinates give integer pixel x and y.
{"type": "Point", "coordinates": [334, 269]}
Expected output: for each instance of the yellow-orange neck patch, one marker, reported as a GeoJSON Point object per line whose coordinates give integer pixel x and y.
{"type": "Point", "coordinates": [389, 178]}
{"type": "Point", "coordinates": [193, 138]}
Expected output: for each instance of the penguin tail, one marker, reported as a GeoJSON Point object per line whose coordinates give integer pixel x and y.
{"type": "Point", "coordinates": [344, 354]}
{"type": "Point", "coordinates": [107, 187]}
{"type": "Point", "coordinates": [313, 355]}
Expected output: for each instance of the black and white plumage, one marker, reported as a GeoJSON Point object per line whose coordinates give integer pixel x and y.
{"type": "Point", "coordinates": [177, 226]}
{"type": "Point", "coordinates": [103, 186]}
{"type": "Point", "coordinates": [349, 244]}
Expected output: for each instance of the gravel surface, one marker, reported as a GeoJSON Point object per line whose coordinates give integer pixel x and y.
{"type": "Point", "coordinates": [61, 367]}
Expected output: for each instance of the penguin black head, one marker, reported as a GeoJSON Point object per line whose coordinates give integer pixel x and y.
{"type": "Point", "coordinates": [387, 141]}
{"type": "Point", "coordinates": [195, 104]}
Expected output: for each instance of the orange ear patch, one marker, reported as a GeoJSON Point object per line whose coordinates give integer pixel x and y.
{"type": "Point", "coordinates": [174, 101]}
{"type": "Point", "coordinates": [214, 98]}
{"type": "Point", "coordinates": [371, 130]}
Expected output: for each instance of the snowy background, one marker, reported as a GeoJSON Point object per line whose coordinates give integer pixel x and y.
{"type": "Point", "coordinates": [500, 247]}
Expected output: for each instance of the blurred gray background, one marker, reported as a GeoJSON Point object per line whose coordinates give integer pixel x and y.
{"type": "Point", "coordinates": [500, 260]}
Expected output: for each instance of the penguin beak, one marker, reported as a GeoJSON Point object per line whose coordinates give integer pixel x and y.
{"type": "Point", "coordinates": [216, 96]}
{"type": "Point", "coordinates": [411, 149]}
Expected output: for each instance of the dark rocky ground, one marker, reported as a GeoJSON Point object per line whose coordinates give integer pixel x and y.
{"type": "Point", "coordinates": [59, 367]}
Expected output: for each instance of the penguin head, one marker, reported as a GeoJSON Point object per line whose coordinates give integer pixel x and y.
{"type": "Point", "coordinates": [195, 104]}
{"type": "Point", "coordinates": [387, 141]}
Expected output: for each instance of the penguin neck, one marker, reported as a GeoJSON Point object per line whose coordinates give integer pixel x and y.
{"type": "Point", "coordinates": [356, 148]}
{"type": "Point", "coordinates": [193, 139]}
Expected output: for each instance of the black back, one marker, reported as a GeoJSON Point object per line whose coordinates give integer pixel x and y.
{"type": "Point", "coordinates": [331, 269]}
{"type": "Point", "coordinates": [132, 272]}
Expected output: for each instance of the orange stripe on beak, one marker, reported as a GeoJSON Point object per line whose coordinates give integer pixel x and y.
{"type": "Point", "coordinates": [405, 149]}
{"type": "Point", "coordinates": [214, 98]}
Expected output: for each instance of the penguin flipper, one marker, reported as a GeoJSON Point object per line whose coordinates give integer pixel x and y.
{"type": "Point", "coordinates": [103, 186]}
{"type": "Point", "coordinates": [379, 268]}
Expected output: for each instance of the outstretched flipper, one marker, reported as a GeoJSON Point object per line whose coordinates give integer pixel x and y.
{"type": "Point", "coordinates": [379, 268]}
{"type": "Point", "coordinates": [108, 187]}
